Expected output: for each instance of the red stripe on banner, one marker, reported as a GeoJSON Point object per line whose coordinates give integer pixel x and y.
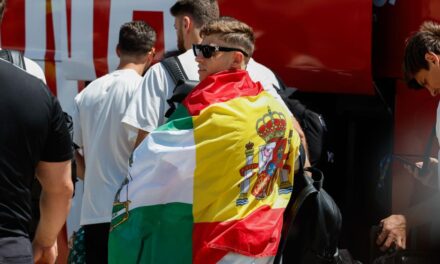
{"type": "Point", "coordinates": [13, 28]}
{"type": "Point", "coordinates": [49, 65]}
{"type": "Point", "coordinates": [220, 87]}
{"type": "Point", "coordinates": [81, 86]}
{"type": "Point", "coordinates": [69, 27]}
{"type": "Point", "coordinates": [257, 235]}
{"type": "Point", "coordinates": [101, 22]}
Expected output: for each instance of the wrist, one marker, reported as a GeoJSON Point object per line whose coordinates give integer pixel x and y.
{"type": "Point", "coordinates": [43, 244]}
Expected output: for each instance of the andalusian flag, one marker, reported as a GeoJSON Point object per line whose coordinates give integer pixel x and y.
{"type": "Point", "coordinates": [212, 183]}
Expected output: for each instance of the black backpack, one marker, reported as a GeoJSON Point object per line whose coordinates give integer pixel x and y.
{"type": "Point", "coordinates": [183, 84]}
{"type": "Point", "coordinates": [312, 123]}
{"type": "Point", "coordinates": [13, 56]}
{"type": "Point", "coordinates": [312, 223]}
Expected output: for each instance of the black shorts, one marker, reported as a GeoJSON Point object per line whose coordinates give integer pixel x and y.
{"type": "Point", "coordinates": [96, 243]}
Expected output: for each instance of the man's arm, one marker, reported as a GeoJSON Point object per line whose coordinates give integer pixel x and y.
{"type": "Point", "coordinates": [56, 195]}
{"type": "Point", "coordinates": [146, 110]}
{"type": "Point", "coordinates": [302, 137]}
{"type": "Point", "coordinates": [80, 165]}
{"type": "Point", "coordinates": [140, 137]}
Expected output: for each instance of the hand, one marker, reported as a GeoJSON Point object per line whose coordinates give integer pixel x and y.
{"type": "Point", "coordinates": [430, 179]}
{"type": "Point", "coordinates": [45, 255]}
{"type": "Point", "coordinates": [393, 232]}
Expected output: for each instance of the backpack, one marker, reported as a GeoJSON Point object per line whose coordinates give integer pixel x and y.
{"type": "Point", "coordinates": [312, 123]}
{"type": "Point", "coordinates": [312, 223]}
{"type": "Point", "coordinates": [13, 56]}
{"type": "Point", "coordinates": [183, 84]}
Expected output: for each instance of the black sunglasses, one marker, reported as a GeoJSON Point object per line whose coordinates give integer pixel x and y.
{"type": "Point", "coordinates": [208, 50]}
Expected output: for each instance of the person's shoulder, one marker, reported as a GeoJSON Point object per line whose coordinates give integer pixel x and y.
{"type": "Point", "coordinates": [256, 66]}
{"type": "Point", "coordinates": [156, 67]}
{"type": "Point", "coordinates": [125, 75]}
{"type": "Point", "coordinates": [260, 72]}
{"type": "Point", "coordinates": [34, 69]}
{"type": "Point", "coordinates": [187, 55]}
{"type": "Point", "coordinates": [11, 74]}
{"type": "Point", "coordinates": [126, 79]}
{"type": "Point", "coordinates": [157, 70]}
{"type": "Point", "coordinates": [189, 64]}
{"type": "Point", "coordinates": [91, 88]}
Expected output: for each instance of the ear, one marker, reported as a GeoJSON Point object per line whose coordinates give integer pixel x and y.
{"type": "Point", "coordinates": [186, 23]}
{"type": "Point", "coordinates": [238, 62]}
{"type": "Point", "coordinates": [118, 51]}
{"type": "Point", "coordinates": [151, 55]}
{"type": "Point", "coordinates": [432, 58]}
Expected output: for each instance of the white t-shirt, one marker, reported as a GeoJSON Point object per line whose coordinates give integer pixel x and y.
{"type": "Point", "coordinates": [149, 105]}
{"type": "Point", "coordinates": [34, 69]}
{"type": "Point", "coordinates": [107, 144]}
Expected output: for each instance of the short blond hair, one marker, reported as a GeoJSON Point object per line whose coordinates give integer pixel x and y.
{"type": "Point", "coordinates": [233, 32]}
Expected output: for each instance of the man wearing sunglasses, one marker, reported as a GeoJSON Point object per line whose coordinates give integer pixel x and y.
{"type": "Point", "coordinates": [211, 185]}
{"type": "Point", "coordinates": [147, 110]}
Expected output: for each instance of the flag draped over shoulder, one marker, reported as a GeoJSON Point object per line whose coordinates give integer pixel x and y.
{"type": "Point", "coordinates": [214, 180]}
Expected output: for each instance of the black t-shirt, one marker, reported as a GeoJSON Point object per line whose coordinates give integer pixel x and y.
{"type": "Point", "coordinates": [32, 129]}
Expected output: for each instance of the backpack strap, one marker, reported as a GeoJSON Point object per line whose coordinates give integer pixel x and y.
{"type": "Point", "coordinates": [292, 209]}
{"type": "Point", "coordinates": [182, 84]}
{"type": "Point", "coordinates": [427, 153]}
{"type": "Point", "coordinates": [13, 56]}
{"type": "Point", "coordinates": [174, 68]}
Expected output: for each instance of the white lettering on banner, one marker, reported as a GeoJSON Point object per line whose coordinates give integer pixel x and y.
{"type": "Point", "coordinates": [35, 21]}
{"type": "Point", "coordinates": [80, 65]}
{"type": "Point", "coordinates": [380, 3]}
{"type": "Point", "coordinates": [59, 22]}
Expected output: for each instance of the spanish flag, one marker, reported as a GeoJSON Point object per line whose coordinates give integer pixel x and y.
{"type": "Point", "coordinates": [211, 184]}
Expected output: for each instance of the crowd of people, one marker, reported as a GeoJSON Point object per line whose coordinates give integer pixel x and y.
{"type": "Point", "coordinates": [211, 182]}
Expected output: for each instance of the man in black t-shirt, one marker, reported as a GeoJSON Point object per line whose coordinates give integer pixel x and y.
{"type": "Point", "coordinates": [34, 140]}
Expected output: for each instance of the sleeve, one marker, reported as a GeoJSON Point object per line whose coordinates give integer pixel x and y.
{"type": "Point", "coordinates": [77, 131]}
{"type": "Point", "coordinates": [34, 69]}
{"type": "Point", "coordinates": [59, 142]}
{"type": "Point", "coordinates": [146, 110]}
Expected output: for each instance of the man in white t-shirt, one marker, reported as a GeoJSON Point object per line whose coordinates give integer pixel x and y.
{"type": "Point", "coordinates": [106, 143]}
{"type": "Point", "coordinates": [421, 68]}
{"type": "Point", "coordinates": [147, 110]}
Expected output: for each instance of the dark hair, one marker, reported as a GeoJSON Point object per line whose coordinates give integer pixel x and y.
{"type": "Point", "coordinates": [426, 40]}
{"type": "Point", "coordinates": [136, 38]}
{"type": "Point", "coordinates": [2, 9]}
{"type": "Point", "coordinates": [233, 32]}
{"type": "Point", "coordinates": [201, 11]}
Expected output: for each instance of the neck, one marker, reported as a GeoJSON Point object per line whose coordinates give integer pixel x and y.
{"type": "Point", "coordinates": [137, 67]}
{"type": "Point", "coordinates": [193, 38]}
